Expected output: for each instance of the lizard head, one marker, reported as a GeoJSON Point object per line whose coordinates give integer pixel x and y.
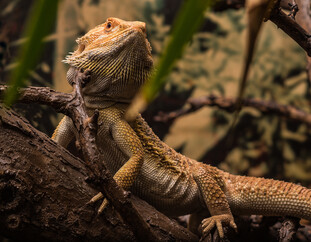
{"type": "Point", "coordinates": [119, 56]}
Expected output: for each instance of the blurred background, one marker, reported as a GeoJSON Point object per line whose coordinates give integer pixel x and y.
{"type": "Point", "coordinates": [259, 145]}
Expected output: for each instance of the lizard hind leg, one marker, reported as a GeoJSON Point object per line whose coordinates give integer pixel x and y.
{"type": "Point", "coordinates": [210, 183]}
{"type": "Point", "coordinates": [217, 220]}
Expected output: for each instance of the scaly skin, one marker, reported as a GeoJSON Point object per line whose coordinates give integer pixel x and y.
{"type": "Point", "coordinates": [118, 54]}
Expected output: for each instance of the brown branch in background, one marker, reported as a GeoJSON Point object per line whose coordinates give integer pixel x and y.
{"type": "Point", "coordinates": [229, 104]}
{"type": "Point", "coordinates": [291, 28]}
{"type": "Point", "coordinates": [304, 20]}
{"type": "Point", "coordinates": [282, 20]}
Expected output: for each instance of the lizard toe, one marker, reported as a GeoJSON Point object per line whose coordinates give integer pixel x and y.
{"type": "Point", "coordinates": [207, 225]}
{"type": "Point", "coordinates": [218, 220]}
{"type": "Point", "coordinates": [103, 206]}
{"type": "Point", "coordinates": [233, 225]}
{"type": "Point", "coordinates": [97, 197]}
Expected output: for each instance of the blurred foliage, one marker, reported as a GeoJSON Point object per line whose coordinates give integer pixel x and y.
{"type": "Point", "coordinates": [13, 19]}
{"type": "Point", "coordinates": [259, 145]}
{"type": "Point", "coordinates": [39, 23]}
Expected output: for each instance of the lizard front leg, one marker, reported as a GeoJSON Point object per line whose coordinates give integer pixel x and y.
{"type": "Point", "coordinates": [129, 143]}
{"type": "Point", "coordinates": [64, 133]}
{"type": "Point", "coordinates": [209, 183]}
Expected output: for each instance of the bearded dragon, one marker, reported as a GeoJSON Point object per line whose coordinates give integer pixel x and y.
{"type": "Point", "coordinates": [119, 57]}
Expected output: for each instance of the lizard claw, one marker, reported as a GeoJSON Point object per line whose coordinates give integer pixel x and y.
{"type": "Point", "coordinates": [96, 197]}
{"type": "Point", "coordinates": [104, 204]}
{"type": "Point", "coordinates": [85, 77]}
{"type": "Point", "coordinates": [218, 220]}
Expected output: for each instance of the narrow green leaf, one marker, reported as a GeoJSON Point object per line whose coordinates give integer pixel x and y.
{"type": "Point", "coordinates": [39, 23]}
{"type": "Point", "coordinates": [186, 24]}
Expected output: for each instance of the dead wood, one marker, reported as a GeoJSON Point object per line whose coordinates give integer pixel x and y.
{"type": "Point", "coordinates": [44, 193]}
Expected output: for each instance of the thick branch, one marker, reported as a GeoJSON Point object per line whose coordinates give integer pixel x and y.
{"type": "Point", "coordinates": [44, 195]}
{"type": "Point", "coordinates": [70, 104]}
{"type": "Point", "coordinates": [229, 104]}
{"type": "Point", "coordinates": [101, 177]}
{"type": "Point", "coordinates": [73, 106]}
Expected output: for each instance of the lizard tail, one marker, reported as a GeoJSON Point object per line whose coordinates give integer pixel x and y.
{"type": "Point", "coordinates": [251, 195]}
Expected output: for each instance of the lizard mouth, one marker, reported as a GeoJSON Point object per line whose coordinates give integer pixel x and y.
{"type": "Point", "coordinates": [149, 48]}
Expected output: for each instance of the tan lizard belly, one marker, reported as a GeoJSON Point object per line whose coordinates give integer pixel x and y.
{"type": "Point", "coordinates": [172, 194]}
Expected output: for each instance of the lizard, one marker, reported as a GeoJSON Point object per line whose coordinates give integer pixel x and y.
{"type": "Point", "coordinates": [119, 56]}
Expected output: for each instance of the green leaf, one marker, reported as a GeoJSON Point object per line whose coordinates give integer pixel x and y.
{"type": "Point", "coordinates": [186, 24]}
{"type": "Point", "coordinates": [39, 23]}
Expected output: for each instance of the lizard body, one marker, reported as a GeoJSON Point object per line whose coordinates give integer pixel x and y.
{"type": "Point", "coordinates": [119, 56]}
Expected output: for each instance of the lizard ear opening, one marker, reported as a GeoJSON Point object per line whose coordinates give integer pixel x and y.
{"type": "Point", "coordinates": [81, 48]}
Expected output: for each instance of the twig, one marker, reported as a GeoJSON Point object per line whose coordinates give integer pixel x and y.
{"type": "Point", "coordinates": [42, 95]}
{"type": "Point", "coordinates": [229, 104]}
{"type": "Point", "coordinates": [293, 10]}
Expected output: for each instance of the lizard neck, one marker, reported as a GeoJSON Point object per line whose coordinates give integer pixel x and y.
{"type": "Point", "coordinates": [104, 91]}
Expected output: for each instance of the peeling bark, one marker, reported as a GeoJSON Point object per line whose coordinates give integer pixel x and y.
{"type": "Point", "coordinates": [44, 193]}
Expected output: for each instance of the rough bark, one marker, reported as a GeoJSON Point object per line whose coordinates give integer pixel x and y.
{"type": "Point", "coordinates": [44, 193]}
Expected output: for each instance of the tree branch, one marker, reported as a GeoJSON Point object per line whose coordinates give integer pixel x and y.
{"type": "Point", "coordinates": [229, 105]}
{"type": "Point", "coordinates": [73, 106]}
{"type": "Point", "coordinates": [42, 95]}
{"type": "Point", "coordinates": [299, 33]}
{"type": "Point", "coordinates": [44, 193]}
{"type": "Point", "coordinates": [100, 175]}
{"type": "Point", "coordinates": [291, 28]}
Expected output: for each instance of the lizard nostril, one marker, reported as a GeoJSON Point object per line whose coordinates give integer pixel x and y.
{"type": "Point", "coordinates": [140, 26]}
{"type": "Point", "coordinates": [143, 27]}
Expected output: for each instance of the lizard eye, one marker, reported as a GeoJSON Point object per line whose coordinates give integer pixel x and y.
{"type": "Point", "coordinates": [108, 26]}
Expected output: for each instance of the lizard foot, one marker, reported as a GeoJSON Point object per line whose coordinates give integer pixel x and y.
{"type": "Point", "coordinates": [104, 203]}
{"type": "Point", "coordinates": [218, 220]}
